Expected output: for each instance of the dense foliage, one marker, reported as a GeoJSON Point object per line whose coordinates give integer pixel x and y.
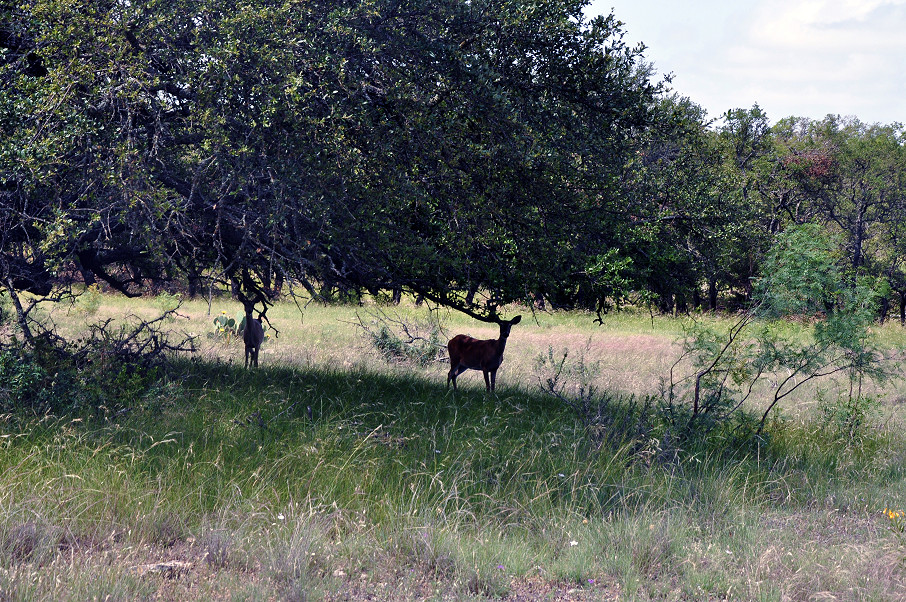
{"type": "Point", "coordinates": [471, 153]}
{"type": "Point", "coordinates": [458, 149]}
{"type": "Point", "coordinates": [728, 192]}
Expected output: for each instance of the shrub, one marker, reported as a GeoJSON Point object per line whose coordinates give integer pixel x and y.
{"type": "Point", "coordinates": [21, 380]}
{"type": "Point", "coordinates": [39, 382]}
{"type": "Point", "coordinates": [849, 418]}
{"type": "Point", "coordinates": [399, 340]}
{"type": "Point", "coordinates": [89, 301]}
{"type": "Point", "coordinates": [801, 280]}
{"type": "Point", "coordinates": [610, 421]}
{"type": "Point", "coordinates": [102, 375]}
{"type": "Point", "coordinates": [5, 307]}
{"type": "Point", "coordinates": [395, 348]}
{"type": "Point", "coordinates": [168, 303]}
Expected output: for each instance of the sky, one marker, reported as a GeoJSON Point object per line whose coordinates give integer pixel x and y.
{"type": "Point", "coordinates": [802, 58]}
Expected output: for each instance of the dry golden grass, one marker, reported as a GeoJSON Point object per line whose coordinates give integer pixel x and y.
{"type": "Point", "coordinates": [632, 351]}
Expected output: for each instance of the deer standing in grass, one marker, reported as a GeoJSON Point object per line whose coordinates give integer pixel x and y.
{"type": "Point", "coordinates": [253, 336]}
{"type": "Point", "coordinates": [467, 353]}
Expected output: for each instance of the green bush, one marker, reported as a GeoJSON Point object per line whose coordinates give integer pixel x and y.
{"type": "Point", "coordinates": [89, 301]}
{"type": "Point", "coordinates": [168, 303]}
{"type": "Point", "coordinates": [95, 380]}
{"type": "Point", "coordinates": [21, 380]}
{"type": "Point", "coordinates": [394, 348]}
{"type": "Point", "coordinates": [5, 308]}
{"type": "Point", "coordinates": [850, 417]}
{"type": "Point", "coordinates": [651, 429]}
{"type": "Point", "coordinates": [801, 281]}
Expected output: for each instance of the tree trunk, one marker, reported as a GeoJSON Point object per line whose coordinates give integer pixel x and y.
{"type": "Point", "coordinates": [681, 306]}
{"type": "Point", "coordinates": [21, 317]}
{"type": "Point", "coordinates": [194, 284]}
{"type": "Point", "coordinates": [665, 303]}
{"type": "Point", "coordinates": [470, 296]}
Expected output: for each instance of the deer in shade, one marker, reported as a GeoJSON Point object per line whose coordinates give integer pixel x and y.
{"type": "Point", "coordinates": [253, 336]}
{"type": "Point", "coordinates": [467, 353]}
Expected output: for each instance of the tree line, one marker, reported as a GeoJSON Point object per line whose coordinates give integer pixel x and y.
{"type": "Point", "coordinates": [722, 194]}
{"type": "Point", "coordinates": [474, 153]}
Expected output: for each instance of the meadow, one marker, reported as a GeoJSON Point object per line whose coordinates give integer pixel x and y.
{"type": "Point", "coordinates": [333, 473]}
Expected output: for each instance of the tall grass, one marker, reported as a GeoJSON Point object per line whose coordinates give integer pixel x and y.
{"type": "Point", "coordinates": [327, 473]}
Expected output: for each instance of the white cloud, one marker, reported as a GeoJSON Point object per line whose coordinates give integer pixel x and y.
{"type": "Point", "coordinates": [828, 24]}
{"type": "Point", "coordinates": [823, 56]}
{"type": "Point", "coordinates": [793, 57]}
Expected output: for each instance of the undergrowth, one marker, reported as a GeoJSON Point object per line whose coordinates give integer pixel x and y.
{"type": "Point", "coordinates": [328, 482]}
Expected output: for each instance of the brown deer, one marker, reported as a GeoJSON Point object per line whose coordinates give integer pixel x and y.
{"type": "Point", "coordinates": [467, 353]}
{"type": "Point", "coordinates": [253, 336]}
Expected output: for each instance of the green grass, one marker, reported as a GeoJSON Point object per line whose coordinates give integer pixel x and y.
{"type": "Point", "coordinates": [329, 474]}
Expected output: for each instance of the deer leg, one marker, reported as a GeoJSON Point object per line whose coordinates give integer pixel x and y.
{"type": "Point", "coordinates": [451, 376]}
{"type": "Point", "coordinates": [493, 379]}
{"type": "Point", "coordinates": [487, 383]}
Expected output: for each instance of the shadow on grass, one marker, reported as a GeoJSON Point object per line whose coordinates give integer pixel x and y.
{"type": "Point", "coordinates": [332, 394]}
{"type": "Point", "coordinates": [300, 475]}
{"type": "Point", "coordinates": [347, 435]}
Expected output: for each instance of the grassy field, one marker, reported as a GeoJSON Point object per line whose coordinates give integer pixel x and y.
{"type": "Point", "coordinates": [330, 473]}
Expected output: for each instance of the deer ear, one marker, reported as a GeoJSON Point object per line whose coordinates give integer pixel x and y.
{"type": "Point", "coordinates": [516, 320]}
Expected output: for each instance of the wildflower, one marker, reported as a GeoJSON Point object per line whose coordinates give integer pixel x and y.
{"type": "Point", "coordinates": [573, 543]}
{"type": "Point", "coordinates": [591, 581]}
{"type": "Point", "coordinates": [500, 567]}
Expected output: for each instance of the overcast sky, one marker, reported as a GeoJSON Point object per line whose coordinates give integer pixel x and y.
{"type": "Point", "coordinates": [805, 58]}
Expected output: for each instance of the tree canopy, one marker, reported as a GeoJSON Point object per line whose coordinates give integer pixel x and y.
{"type": "Point", "coordinates": [470, 152]}
{"type": "Point", "coordinates": [474, 153]}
